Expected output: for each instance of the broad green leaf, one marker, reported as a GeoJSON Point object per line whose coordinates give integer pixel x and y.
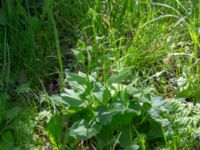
{"type": "Point", "coordinates": [135, 92]}
{"type": "Point", "coordinates": [106, 117]}
{"type": "Point", "coordinates": [87, 91]}
{"type": "Point", "coordinates": [72, 100]}
{"type": "Point", "coordinates": [124, 116]}
{"type": "Point", "coordinates": [83, 130]}
{"type": "Point", "coordinates": [76, 77]}
{"type": "Point", "coordinates": [126, 137]}
{"type": "Point", "coordinates": [55, 128]}
{"type": "Point", "coordinates": [99, 96]}
{"type": "Point", "coordinates": [135, 105]}
{"type": "Point", "coordinates": [155, 129]}
{"type": "Point", "coordinates": [105, 136]}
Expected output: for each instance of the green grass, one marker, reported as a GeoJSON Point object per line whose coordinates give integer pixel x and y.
{"type": "Point", "coordinates": [92, 68]}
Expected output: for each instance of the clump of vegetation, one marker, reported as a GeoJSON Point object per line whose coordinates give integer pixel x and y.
{"type": "Point", "coordinates": [99, 74]}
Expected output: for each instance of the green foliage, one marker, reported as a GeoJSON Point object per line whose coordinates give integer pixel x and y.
{"type": "Point", "coordinates": [16, 127]}
{"type": "Point", "coordinates": [182, 128]}
{"type": "Point", "coordinates": [127, 117]}
{"type": "Point", "coordinates": [114, 114]}
{"type": "Point", "coordinates": [124, 51]}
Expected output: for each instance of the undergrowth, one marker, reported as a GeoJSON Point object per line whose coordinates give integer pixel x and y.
{"type": "Point", "coordinates": [99, 74]}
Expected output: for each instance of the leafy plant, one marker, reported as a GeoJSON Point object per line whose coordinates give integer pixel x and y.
{"type": "Point", "coordinates": [114, 114]}
{"type": "Point", "coordinates": [123, 51]}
